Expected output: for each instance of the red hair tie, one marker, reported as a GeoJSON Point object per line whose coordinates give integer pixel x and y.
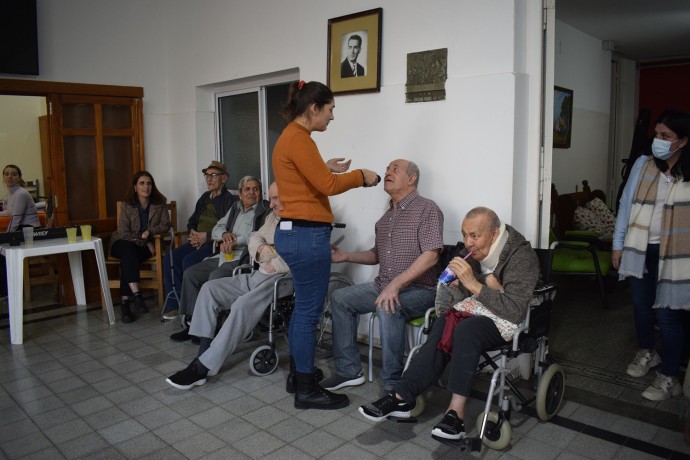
{"type": "Point", "coordinates": [300, 85]}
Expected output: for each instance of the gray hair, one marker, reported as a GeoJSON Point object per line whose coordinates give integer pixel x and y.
{"type": "Point", "coordinates": [246, 179]}
{"type": "Point", "coordinates": [494, 221]}
{"type": "Point", "coordinates": [413, 170]}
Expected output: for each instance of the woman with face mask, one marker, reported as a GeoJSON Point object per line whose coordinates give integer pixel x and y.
{"type": "Point", "coordinates": [651, 250]}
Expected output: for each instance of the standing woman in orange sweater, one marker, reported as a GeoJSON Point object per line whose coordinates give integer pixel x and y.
{"type": "Point", "coordinates": [302, 239]}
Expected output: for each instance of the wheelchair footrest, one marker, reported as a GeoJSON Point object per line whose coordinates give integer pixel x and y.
{"type": "Point", "coordinates": [402, 419]}
{"type": "Point", "coordinates": [463, 445]}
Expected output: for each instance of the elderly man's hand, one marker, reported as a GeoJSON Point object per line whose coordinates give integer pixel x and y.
{"type": "Point", "coordinates": [197, 239]}
{"type": "Point", "coordinates": [463, 270]}
{"type": "Point", "coordinates": [228, 237]}
{"type": "Point", "coordinates": [337, 254]}
{"type": "Point", "coordinates": [226, 247]}
{"type": "Point", "coordinates": [388, 300]}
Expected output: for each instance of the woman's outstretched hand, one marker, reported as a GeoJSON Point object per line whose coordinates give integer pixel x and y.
{"type": "Point", "coordinates": [338, 165]}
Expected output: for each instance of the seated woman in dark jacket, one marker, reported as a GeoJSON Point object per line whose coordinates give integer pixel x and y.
{"type": "Point", "coordinates": [142, 215]}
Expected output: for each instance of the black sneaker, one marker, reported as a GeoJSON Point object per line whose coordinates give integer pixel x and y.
{"type": "Point", "coordinates": [450, 427]}
{"type": "Point", "coordinates": [388, 406]}
{"type": "Point", "coordinates": [189, 377]}
{"type": "Point", "coordinates": [140, 304]}
{"type": "Point", "coordinates": [181, 336]}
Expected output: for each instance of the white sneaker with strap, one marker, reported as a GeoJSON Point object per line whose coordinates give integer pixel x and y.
{"type": "Point", "coordinates": [643, 362]}
{"type": "Point", "coordinates": [663, 388]}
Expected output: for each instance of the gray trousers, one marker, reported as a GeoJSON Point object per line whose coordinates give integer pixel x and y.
{"type": "Point", "coordinates": [246, 296]}
{"type": "Point", "coordinates": [196, 275]}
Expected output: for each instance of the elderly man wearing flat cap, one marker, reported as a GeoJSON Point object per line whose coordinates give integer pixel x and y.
{"type": "Point", "coordinates": [209, 209]}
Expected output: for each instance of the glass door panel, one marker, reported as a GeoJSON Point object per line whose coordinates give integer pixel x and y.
{"type": "Point", "coordinates": [239, 136]}
{"type": "Point", "coordinates": [118, 164]}
{"type": "Point", "coordinates": [117, 116]}
{"type": "Point", "coordinates": [78, 116]}
{"type": "Point", "coordinates": [81, 181]}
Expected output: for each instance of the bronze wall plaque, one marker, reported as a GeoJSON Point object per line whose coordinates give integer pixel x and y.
{"type": "Point", "coordinates": [427, 72]}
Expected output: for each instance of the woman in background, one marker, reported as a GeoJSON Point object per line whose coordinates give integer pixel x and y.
{"type": "Point", "coordinates": [651, 249]}
{"type": "Point", "coordinates": [142, 215]}
{"type": "Point", "coordinates": [302, 239]}
{"type": "Point", "coordinates": [19, 205]}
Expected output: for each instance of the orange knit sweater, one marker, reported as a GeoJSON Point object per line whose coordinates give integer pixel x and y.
{"type": "Point", "coordinates": [303, 178]}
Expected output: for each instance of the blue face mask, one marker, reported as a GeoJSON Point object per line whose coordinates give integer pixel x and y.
{"type": "Point", "coordinates": [662, 149]}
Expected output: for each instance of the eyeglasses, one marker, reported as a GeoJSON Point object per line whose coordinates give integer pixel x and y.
{"type": "Point", "coordinates": [212, 175]}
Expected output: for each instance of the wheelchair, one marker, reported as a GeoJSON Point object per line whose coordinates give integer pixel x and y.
{"type": "Point", "coordinates": [276, 320]}
{"type": "Point", "coordinates": [548, 378]}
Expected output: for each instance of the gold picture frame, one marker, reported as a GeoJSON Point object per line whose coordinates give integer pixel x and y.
{"type": "Point", "coordinates": [355, 36]}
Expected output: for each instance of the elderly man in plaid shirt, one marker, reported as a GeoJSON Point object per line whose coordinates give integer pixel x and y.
{"type": "Point", "coordinates": [409, 240]}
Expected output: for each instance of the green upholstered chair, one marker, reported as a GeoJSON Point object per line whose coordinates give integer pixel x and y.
{"type": "Point", "coordinates": [578, 253]}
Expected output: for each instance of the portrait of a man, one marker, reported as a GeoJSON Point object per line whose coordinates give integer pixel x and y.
{"type": "Point", "coordinates": [349, 66]}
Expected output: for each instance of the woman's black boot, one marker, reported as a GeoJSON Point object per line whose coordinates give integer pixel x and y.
{"type": "Point", "coordinates": [291, 383]}
{"type": "Point", "coordinates": [140, 304]}
{"type": "Point", "coordinates": [310, 395]}
{"type": "Point", "coordinates": [125, 312]}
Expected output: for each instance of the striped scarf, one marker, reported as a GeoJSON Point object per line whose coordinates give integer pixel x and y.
{"type": "Point", "coordinates": [673, 286]}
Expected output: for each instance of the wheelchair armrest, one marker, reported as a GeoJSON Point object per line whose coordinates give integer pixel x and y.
{"type": "Point", "coordinates": [429, 317]}
{"type": "Point", "coordinates": [244, 268]}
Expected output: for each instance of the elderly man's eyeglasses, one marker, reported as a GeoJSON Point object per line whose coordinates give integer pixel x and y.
{"type": "Point", "coordinates": [212, 175]}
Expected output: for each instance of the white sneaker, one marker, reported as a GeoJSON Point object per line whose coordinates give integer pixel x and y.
{"type": "Point", "coordinates": [173, 314]}
{"type": "Point", "coordinates": [643, 362]}
{"type": "Point", "coordinates": [663, 388]}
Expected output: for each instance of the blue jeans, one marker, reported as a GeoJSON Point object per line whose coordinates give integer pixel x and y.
{"type": "Point", "coordinates": [671, 322]}
{"type": "Point", "coordinates": [349, 302]}
{"type": "Point", "coordinates": [307, 252]}
{"type": "Point", "coordinates": [183, 257]}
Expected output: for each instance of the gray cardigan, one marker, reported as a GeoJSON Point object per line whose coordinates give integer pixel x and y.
{"type": "Point", "coordinates": [517, 271]}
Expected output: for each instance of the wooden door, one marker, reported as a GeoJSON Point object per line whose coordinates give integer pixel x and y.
{"type": "Point", "coordinates": [97, 148]}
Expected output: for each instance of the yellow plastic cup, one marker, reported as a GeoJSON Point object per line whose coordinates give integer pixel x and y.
{"type": "Point", "coordinates": [228, 256]}
{"type": "Point", "coordinates": [85, 232]}
{"type": "Point", "coordinates": [71, 234]}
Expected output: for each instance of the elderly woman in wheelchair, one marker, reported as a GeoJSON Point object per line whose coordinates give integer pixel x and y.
{"type": "Point", "coordinates": [496, 276]}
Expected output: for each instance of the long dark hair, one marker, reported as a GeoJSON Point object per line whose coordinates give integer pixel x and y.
{"type": "Point", "coordinates": [302, 95]}
{"type": "Point", "coordinates": [19, 173]}
{"type": "Point", "coordinates": [156, 196]}
{"type": "Point", "coordinates": [678, 122]}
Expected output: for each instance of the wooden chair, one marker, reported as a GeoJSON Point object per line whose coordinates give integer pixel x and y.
{"type": "Point", "coordinates": [151, 271]}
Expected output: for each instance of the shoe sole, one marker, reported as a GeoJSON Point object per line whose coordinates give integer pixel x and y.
{"type": "Point", "coordinates": [348, 383]}
{"type": "Point", "coordinates": [663, 397]}
{"type": "Point", "coordinates": [373, 418]}
{"type": "Point", "coordinates": [442, 434]}
{"type": "Point", "coordinates": [168, 317]}
{"type": "Point", "coordinates": [324, 407]}
{"type": "Point", "coordinates": [185, 387]}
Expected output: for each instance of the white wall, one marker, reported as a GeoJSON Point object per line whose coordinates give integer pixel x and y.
{"type": "Point", "coordinates": [20, 142]}
{"type": "Point", "coordinates": [583, 66]}
{"type": "Point", "coordinates": [467, 146]}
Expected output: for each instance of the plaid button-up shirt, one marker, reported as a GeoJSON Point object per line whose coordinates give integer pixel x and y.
{"type": "Point", "coordinates": [403, 234]}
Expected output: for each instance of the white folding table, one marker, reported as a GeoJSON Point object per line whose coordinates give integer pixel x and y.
{"type": "Point", "coordinates": [15, 275]}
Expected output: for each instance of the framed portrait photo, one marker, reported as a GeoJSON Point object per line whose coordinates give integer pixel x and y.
{"type": "Point", "coordinates": [562, 117]}
{"type": "Point", "coordinates": [354, 53]}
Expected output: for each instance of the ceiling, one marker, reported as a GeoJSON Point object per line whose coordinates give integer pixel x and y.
{"type": "Point", "coordinates": [643, 30]}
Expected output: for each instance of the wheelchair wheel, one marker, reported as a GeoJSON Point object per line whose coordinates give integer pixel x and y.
{"type": "Point", "coordinates": [495, 437]}
{"type": "Point", "coordinates": [420, 405]}
{"type": "Point", "coordinates": [550, 392]}
{"type": "Point", "coordinates": [324, 343]}
{"type": "Point", "coordinates": [263, 361]}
